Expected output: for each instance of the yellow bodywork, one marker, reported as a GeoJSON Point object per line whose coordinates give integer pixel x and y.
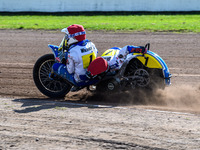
{"type": "Point", "coordinates": [109, 52]}
{"type": "Point", "coordinates": [149, 61]}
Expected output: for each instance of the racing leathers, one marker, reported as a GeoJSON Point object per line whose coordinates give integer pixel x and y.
{"type": "Point", "coordinates": [78, 57]}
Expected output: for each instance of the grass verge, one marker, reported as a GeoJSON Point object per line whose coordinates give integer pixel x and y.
{"type": "Point", "coordinates": [115, 22]}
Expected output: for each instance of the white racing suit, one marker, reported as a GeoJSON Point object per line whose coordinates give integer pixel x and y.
{"type": "Point", "coordinates": [79, 56]}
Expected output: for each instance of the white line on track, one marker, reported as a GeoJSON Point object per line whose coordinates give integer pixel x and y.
{"type": "Point", "coordinates": [187, 75]}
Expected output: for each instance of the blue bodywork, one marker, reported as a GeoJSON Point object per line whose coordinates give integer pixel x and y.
{"type": "Point", "coordinates": [165, 69]}
{"type": "Point", "coordinates": [57, 54]}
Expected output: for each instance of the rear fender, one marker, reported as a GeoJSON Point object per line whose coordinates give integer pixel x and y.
{"type": "Point", "coordinates": [153, 60]}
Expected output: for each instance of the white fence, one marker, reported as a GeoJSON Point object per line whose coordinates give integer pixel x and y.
{"type": "Point", "coordinates": [98, 5]}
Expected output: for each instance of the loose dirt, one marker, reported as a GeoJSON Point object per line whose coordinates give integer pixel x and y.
{"type": "Point", "coordinates": [168, 119]}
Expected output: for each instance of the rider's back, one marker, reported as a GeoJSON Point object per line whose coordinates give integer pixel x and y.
{"type": "Point", "coordinates": [82, 54]}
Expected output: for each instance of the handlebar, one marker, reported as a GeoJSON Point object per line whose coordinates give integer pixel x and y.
{"type": "Point", "coordinates": [147, 46]}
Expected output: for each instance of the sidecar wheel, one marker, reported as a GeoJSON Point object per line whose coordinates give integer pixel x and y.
{"type": "Point", "coordinates": [156, 79]}
{"type": "Point", "coordinates": [53, 88]}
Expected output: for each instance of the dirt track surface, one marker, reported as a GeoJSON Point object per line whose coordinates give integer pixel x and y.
{"type": "Point", "coordinates": [168, 120]}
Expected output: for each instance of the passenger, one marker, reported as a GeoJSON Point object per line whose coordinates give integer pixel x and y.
{"type": "Point", "coordinates": [116, 56]}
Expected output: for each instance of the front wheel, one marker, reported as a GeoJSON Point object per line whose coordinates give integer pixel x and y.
{"type": "Point", "coordinates": [53, 88]}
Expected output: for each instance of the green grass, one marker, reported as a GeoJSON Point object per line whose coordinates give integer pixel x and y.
{"type": "Point", "coordinates": [140, 22]}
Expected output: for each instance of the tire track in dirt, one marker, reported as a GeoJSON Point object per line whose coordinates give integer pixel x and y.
{"type": "Point", "coordinates": [44, 124]}
{"type": "Point", "coordinates": [29, 121]}
{"type": "Point", "coordinates": [16, 80]}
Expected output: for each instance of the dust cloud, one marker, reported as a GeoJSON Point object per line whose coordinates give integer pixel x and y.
{"type": "Point", "coordinates": [181, 98]}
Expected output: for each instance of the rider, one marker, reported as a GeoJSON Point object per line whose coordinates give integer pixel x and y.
{"type": "Point", "coordinates": [79, 53]}
{"type": "Point", "coordinates": [116, 56]}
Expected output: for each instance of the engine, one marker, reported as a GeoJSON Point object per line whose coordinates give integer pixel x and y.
{"type": "Point", "coordinates": [109, 85]}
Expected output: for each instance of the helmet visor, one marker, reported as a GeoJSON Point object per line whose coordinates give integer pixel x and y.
{"type": "Point", "coordinates": [66, 32]}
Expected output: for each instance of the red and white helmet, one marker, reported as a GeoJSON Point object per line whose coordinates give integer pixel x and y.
{"type": "Point", "coordinates": [74, 33]}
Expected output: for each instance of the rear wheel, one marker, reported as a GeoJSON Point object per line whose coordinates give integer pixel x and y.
{"type": "Point", "coordinates": [133, 65]}
{"type": "Point", "coordinates": [53, 88]}
{"type": "Point", "coordinates": [151, 78]}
